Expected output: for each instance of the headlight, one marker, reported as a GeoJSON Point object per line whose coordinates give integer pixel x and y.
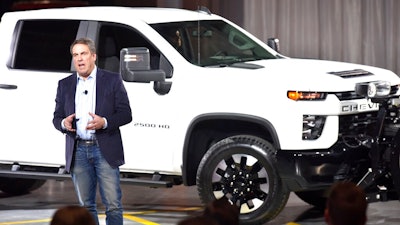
{"type": "Point", "coordinates": [305, 95]}
{"type": "Point", "coordinates": [375, 89]}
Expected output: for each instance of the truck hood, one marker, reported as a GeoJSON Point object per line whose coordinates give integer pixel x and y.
{"type": "Point", "coordinates": [319, 75]}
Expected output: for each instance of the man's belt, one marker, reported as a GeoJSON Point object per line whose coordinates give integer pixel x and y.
{"type": "Point", "coordinates": [86, 142]}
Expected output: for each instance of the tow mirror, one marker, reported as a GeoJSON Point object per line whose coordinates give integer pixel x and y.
{"type": "Point", "coordinates": [135, 66]}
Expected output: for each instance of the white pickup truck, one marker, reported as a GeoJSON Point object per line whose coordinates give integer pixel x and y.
{"type": "Point", "coordinates": [213, 106]}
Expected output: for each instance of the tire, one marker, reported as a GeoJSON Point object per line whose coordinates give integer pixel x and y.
{"type": "Point", "coordinates": [316, 198]}
{"type": "Point", "coordinates": [243, 168]}
{"type": "Point", "coordinates": [19, 186]}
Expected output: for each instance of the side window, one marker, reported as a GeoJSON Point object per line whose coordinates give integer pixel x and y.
{"type": "Point", "coordinates": [114, 37]}
{"type": "Point", "coordinates": [44, 44]}
{"type": "Point", "coordinates": [176, 35]}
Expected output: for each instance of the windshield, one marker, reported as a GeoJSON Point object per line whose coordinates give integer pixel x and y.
{"type": "Point", "coordinates": [211, 42]}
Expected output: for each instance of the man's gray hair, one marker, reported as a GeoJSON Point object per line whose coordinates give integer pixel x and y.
{"type": "Point", "coordinates": [86, 41]}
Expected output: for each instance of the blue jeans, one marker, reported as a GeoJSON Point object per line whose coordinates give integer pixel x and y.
{"type": "Point", "coordinates": [90, 168]}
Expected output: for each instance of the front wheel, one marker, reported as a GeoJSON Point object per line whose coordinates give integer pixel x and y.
{"type": "Point", "coordinates": [243, 168]}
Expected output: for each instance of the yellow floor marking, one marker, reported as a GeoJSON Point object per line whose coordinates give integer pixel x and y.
{"type": "Point", "coordinates": [189, 209]}
{"type": "Point", "coordinates": [130, 217]}
{"type": "Point", "coordinates": [127, 215]}
{"type": "Point", "coordinates": [140, 212]}
{"type": "Point", "coordinates": [292, 223]}
{"type": "Point", "coordinates": [139, 220]}
{"type": "Point", "coordinates": [25, 222]}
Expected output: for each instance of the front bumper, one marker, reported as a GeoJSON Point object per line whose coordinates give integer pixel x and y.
{"type": "Point", "coordinates": [316, 169]}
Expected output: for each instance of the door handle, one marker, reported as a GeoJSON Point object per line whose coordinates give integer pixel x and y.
{"type": "Point", "coordinates": [8, 86]}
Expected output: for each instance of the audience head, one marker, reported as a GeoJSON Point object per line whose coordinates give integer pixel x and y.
{"type": "Point", "coordinates": [198, 220]}
{"type": "Point", "coordinates": [346, 205]}
{"type": "Point", "coordinates": [218, 212]}
{"type": "Point", "coordinates": [72, 215]}
{"type": "Point", "coordinates": [223, 211]}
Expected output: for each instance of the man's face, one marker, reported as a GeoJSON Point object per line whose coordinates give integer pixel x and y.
{"type": "Point", "coordinates": [84, 60]}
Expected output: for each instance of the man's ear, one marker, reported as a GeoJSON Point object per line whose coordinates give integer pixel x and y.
{"type": "Point", "coordinates": [326, 216]}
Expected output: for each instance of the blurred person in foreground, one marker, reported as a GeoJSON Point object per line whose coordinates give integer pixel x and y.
{"type": "Point", "coordinates": [72, 215]}
{"type": "Point", "coordinates": [218, 212]}
{"type": "Point", "coordinates": [346, 205]}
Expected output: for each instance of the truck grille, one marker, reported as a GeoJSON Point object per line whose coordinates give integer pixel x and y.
{"type": "Point", "coordinates": [355, 130]}
{"type": "Point", "coordinates": [359, 127]}
{"type": "Point", "coordinates": [356, 123]}
{"type": "Point", "coordinates": [348, 95]}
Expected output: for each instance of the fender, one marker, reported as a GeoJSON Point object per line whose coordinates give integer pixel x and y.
{"type": "Point", "coordinates": [247, 124]}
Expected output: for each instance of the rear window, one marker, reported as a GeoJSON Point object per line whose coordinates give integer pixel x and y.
{"type": "Point", "coordinates": [44, 44]}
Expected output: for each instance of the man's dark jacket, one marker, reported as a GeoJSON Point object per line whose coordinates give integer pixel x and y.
{"type": "Point", "coordinates": [111, 102]}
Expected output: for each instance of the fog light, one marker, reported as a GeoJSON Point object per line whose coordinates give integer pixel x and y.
{"type": "Point", "coordinates": [375, 89]}
{"type": "Point", "coordinates": [312, 126]}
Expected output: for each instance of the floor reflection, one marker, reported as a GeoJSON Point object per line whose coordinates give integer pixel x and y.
{"type": "Point", "coordinates": [161, 206]}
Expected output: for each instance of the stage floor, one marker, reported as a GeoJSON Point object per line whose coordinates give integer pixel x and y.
{"type": "Point", "coordinates": [151, 206]}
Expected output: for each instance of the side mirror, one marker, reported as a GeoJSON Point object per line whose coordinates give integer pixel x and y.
{"type": "Point", "coordinates": [273, 43]}
{"type": "Point", "coordinates": [135, 66]}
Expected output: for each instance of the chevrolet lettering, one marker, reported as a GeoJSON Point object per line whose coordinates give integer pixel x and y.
{"type": "Point", "coordinates": [358, 106]}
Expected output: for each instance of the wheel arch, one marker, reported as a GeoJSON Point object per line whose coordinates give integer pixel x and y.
{"type": "Point", "coordinates": [207, 129]}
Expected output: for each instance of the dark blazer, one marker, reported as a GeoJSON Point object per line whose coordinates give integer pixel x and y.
{"type": "Point", "coordinates": [111, 102]}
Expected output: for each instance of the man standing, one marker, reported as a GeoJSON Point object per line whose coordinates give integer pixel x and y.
{"type": "Point", "coordinates": [91, 105]}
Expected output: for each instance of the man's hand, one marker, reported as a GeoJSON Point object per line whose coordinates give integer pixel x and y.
{"type": "Point", "coordinates": [68, 123]}
{"type": "Point", "coordinates": [96, 124]}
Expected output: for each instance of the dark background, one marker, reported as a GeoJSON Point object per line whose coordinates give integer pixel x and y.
{"type": "Point", "coordinates": [226, 8]}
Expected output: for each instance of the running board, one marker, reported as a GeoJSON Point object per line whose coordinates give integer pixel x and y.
{"type": "Point", "coordinates": [63, 176]}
